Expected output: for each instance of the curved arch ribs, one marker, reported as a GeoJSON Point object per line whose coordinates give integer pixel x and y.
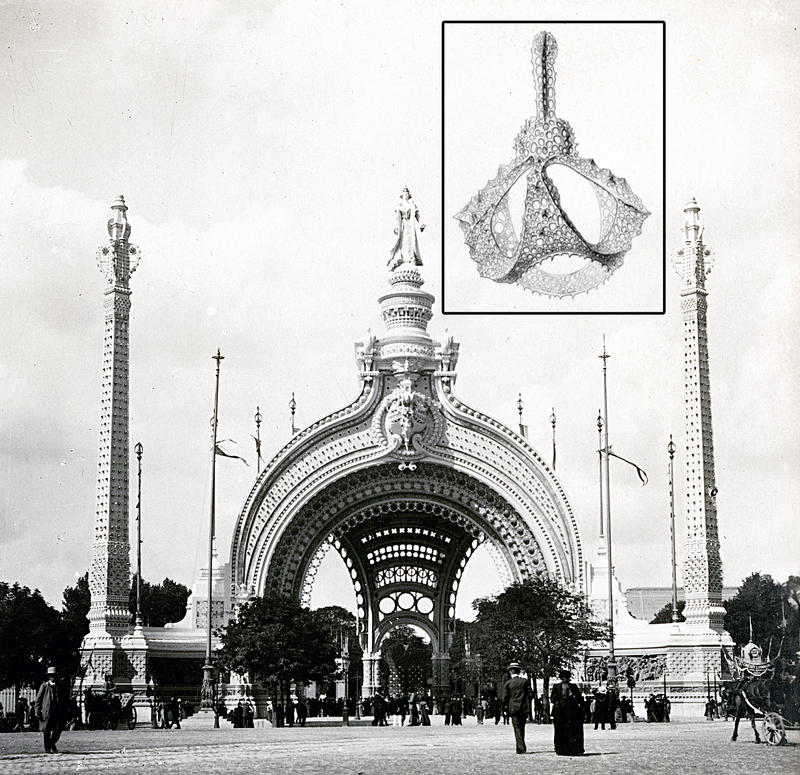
{"type": "Point", "coordinates": [405, 483]}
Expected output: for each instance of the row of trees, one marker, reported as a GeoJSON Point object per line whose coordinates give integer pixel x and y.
{"type": "Point", "coordinates": [33, 634]}
{"type": "Point", "coordinates": [537, 622]}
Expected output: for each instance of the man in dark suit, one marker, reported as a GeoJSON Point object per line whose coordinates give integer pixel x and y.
{"type": "Point", "coordinates": [50, 711]}
{"type": "Point", "coordinates": [517, 703]}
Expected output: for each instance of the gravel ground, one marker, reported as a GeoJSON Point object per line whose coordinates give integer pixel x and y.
{"type": "Point", "coordinates": [681, 747]}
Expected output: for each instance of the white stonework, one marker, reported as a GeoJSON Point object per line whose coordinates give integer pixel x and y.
{"type": "Point", "coordinates": [109, 574]}
{"type": "Point", "coordinates": [677, 657]}
{"type": "Point", "coordinates": [702, 575]}
{"type": "Point", "coordinates": [404, 483]}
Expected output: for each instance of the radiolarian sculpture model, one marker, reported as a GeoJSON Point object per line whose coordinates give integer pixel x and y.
{"type": "Point", "coordinates": [547, 231]}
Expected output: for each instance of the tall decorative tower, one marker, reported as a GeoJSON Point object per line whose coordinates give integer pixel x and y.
{"type": "Point", "coordinates": [702, 576]}
{"type": "Point", "coordinates": [109, 576]}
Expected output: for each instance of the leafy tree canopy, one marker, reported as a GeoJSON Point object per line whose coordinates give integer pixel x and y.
{"type": "Point", "coordinates": [664, 615]}
{"type": "Point", "coordinates": [339, 622]}
{"type": "Point", "coordinates": [31, 636]}
{"type": "Point", "coordinates": [772, 607]}
{"type": "Point", "coordinates": [161, 603]}
{"type": "Point", "coordinates": [276, 640]}
{"type": "Point", "coordinates": [537, 622]}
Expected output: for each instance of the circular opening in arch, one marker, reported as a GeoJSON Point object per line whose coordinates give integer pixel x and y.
{"type": "Point", "coordinates": [387, 605]}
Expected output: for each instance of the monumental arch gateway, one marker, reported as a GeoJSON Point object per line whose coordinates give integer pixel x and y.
{"type": "Point", "coordinates": [405, 484]}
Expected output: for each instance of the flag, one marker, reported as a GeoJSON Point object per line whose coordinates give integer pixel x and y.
{"type": "Point", "coordinates": [523, 431]}
{"type": "Point", "coordinates": [641, 473]}
{"type": "Point", "coordinates": [218, 450]}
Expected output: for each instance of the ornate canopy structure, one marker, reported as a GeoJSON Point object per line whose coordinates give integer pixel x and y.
{"type": "Point", "coordinates": [405, 483]}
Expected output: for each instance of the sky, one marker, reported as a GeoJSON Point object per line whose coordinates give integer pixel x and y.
{"type": "Point", "coordinates": [261, 148]}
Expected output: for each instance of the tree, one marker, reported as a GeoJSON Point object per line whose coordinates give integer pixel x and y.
{"type": "Point", "coordinates": [664, 615]}
{"type": "Point", "coordinates": [339, 623]}
{"type": "Point", "coordinates": [411, 657]}
{"type": "Point", "coordinates": [277, 641]}
{"type": "Point", "coordinates": [161, 603]}
{"type": "Point", "coordinates": [74, 617]}
{"type": "Point", "coordinates": [31, 636]}
{"type": "Point", "coordinates": [769, 606]}
{"type": "Point", "coordinates": [537, 622]}
{"type": "Point", "coordinates": [465, 663]}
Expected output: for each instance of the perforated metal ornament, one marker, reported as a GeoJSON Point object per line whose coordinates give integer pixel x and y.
{"type": "Point", "coordinates": [547, 231]}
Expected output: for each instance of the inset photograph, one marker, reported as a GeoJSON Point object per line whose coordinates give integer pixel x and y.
{"type": "Point", "coordinates": [553, 167]}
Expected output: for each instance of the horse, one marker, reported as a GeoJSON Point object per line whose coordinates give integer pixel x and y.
{"type": "Point", "coordinates": [751, 695]}
{"type": "Point", "coordinates": [737, 707]}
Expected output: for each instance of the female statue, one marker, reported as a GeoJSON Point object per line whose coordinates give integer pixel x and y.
{"type": "Point", "coordinates": [406, 248]}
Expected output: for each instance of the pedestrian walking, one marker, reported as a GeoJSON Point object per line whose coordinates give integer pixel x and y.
{"type": "Point", "coordinates": [600, 714]}
{"type": "Point", "coordinates": [50, 711]}
{"type": "Point", "coordinates": [424, 718]}
{"type": "Point", "coordinates": [516, 703]}
{"type": "Point", "coordinates": [566, 703]}
{"type": "Point", "coordinates": [302, 713]}
{"type": "Point", "coordinates": [175, 712]}
{"type": "Point", "coordinates": [20, 711]}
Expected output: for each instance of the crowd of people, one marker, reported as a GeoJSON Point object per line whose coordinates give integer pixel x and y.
{"type": "Point", "coordinates": [571, 707]}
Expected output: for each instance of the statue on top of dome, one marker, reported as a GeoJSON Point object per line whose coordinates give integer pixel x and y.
{"type": "Point", "coordinates": [406, 247]}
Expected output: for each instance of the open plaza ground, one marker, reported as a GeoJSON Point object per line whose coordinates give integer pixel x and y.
{"type": "Point", "coordinates": [681, 747]}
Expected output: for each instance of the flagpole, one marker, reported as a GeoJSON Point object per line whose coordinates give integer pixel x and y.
{"type": "Point", "coordinates": [520, 407]}
{"type": "Point", "coordinates": [208, 698]}
{"type": "Point", "coordinates": [258, 419]}
{"type": "Point", "coordinates": [292, 409]}
{"type": "Point", "coordinates": [553, 423]}
{"type": "Point", "coordinates": [612, 663]}
{"type": "Point", "coordinates": [600, 461]}
{"type": "Point", "coordinates": [671, 451]}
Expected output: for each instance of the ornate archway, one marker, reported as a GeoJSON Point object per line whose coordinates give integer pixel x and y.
{"type": "Point", "coordinates": [405, 483]}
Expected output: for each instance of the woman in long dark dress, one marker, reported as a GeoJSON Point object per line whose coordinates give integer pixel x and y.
{"type": "Point", "coordinates": [567, 710]}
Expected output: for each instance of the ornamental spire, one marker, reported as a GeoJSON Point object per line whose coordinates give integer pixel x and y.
{"type": "Point", "coordinates": [694, 261]}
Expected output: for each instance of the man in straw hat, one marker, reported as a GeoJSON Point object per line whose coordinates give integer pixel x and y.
{"type": "Point", "coordinates": [517, 702]}
{"type": "Point", "coordinates": [50, 711]}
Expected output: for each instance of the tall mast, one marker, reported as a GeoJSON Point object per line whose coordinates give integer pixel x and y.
{"type": "Point", "coordinates": [612, 664]}
{"type": "Point", "coordinates": [208, 691]}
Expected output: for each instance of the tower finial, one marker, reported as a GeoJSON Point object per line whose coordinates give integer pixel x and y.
{"type": "Point", "coordinates": [118, 226]}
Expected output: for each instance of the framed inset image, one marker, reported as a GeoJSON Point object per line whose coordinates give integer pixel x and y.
{"type": "Point", "coordinates": [553, 160]}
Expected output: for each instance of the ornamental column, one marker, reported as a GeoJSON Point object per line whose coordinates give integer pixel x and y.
{"type": "Point", "coordinates": [109, 575]}
{"type": "Point", "coordinates": [702, 575]}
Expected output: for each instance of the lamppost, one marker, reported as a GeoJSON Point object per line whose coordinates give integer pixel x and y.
{"type": "Point", "coordinates": [139, 449]}
{"type": "Point", "coordinates": [671, 451]}
{"type": "Point", "coordinates": [344, 650]}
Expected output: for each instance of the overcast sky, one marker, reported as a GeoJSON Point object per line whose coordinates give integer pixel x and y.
{"type": "Point", "coordinates": [261, 149]}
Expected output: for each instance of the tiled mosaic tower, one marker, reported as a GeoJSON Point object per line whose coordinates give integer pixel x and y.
{"type": "Point", "coordinates": [109, 577]}
{"type": "Point", "coordinates": [702, 575]}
